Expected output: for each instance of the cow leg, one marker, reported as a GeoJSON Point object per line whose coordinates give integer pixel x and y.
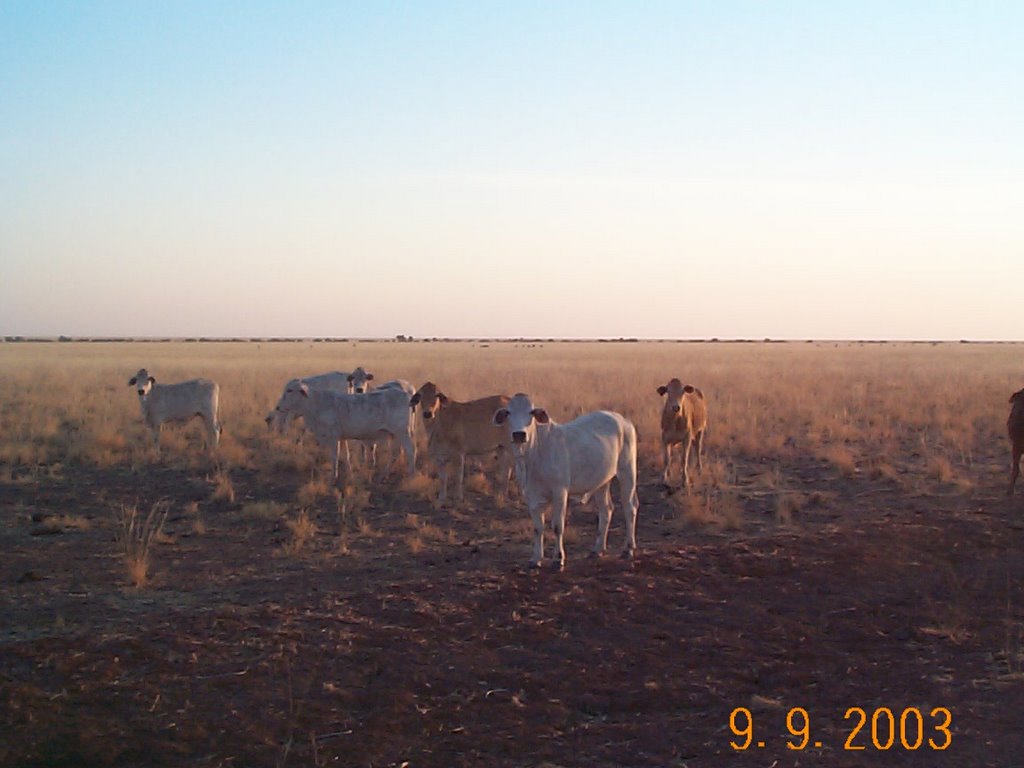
{"type": "Point", "coordinates": [685, 447]}
{"type": "Point", "coordinates": [666, 456]}
{"type": "Point", "coordinates": [537, 514]}
{"type": "Point", "coordinates": [212, 433]}
{"type": "Point", "coordinates": [335, 451]}
{"type": "Point", "coordinates": [630, 504]}
{"type": "Point", "coordinates": [410, 451]}
{"type": "Point", "coordinates": [700, 450]}
{"type": "Point", "coordinates": [1015, 468]}
{"type": "Point", "coordinates": [442, 474]}
{"type": "Point", "coordinates": [603, 495]}
{"type": "Point", "coordinates": [559, 505]}
{"type": "Point", "coordinates": [505, 471]}
{"type": "Point", "coordinates": [460, 489]}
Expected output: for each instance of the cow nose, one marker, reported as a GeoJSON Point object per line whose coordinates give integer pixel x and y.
{"type": "Point", "coordinates": [675, 409]}
{"type": "Point", "coordinates": [518, 437]}
{"type": "Point", "coordinates": [428, 415]}
{"type": "Point", "coordinates": [142, 392]}
{"type": "Point", "coordinates": [359, 390]}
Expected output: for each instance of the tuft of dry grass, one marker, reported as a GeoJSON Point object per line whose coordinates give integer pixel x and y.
{"type": "Point", "coordinates": [263, 510]}
{"type": "Point", "coordinates": [723, 511]}
{"type": "Point", "coordinates": [303, 529]}
{"type": "Point", "coordinates": [312, 491]}
{"type": "Point", "coordinates": [223, 488]}
{"type": "Point", "coordinates": [479, 483]}
{"type": "Point", "coordinates": [788, 505]}
{"type": "Point", "coordinates": [840, 457]}
{"type": "Point", "coordinates": [198, 525]}
{"type": "Point", "coordinates": [136, 534]}
{"type": "Point", "coordinates": [421, 486]}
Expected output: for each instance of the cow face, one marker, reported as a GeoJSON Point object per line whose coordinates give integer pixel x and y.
{"type": "Point", "coordinates": [673, 393]}
{"type": "Point", "coordinates": [521, 420]}
{"type": "Point", "coordinates": [430, 399]}
{"type": "Point", "coordinates": [142, 382]}
{"type": "Point", "coordinates": [357, 381]}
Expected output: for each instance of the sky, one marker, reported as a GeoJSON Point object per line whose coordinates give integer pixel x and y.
{"type": "Point", "coordinates": [577, 169]}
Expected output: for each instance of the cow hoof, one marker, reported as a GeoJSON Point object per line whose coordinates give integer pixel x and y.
{"type": "Point", "coordinates": [534, 566]}
{"type": "Point", "coordinates": [557, 566]}
{"type": "Point", "coordinates": [596, 555]}
{"type": "Point", "coordinates": [627, 554]}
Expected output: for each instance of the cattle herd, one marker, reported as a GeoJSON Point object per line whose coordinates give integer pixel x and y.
{"type": "Point", "coordinates": [552, 461]}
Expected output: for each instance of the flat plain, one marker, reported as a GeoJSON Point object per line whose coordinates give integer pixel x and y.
{"type": "Point", "coordinates": [848, 548]}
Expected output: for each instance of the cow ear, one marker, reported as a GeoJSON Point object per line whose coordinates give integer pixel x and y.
{"type": "Point", "coordinates": [152, 380]}
{"type": "Point", "coordinates": [304, 390]}
{"type": "Point", "coordinates": [414, 400]}
{"type": "Point", "coordinates": [540, 415]}
{"type": "Point", "coordinates": [131, 383]}
{"type": "Point", "coordinates": [369, 377]}
{"type": "Point", "coordinates": [662, 390]}
{"type": "Point", "coordinates": [688, 389]}
{"type": "Point", "coordinates": [443, 398]}
{"type": "Point", "coordinates": [500, 416]}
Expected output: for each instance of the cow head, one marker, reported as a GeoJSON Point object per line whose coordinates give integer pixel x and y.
{"type": "Point", "coordinates": [357, 381]}
{"type": "Point", "coordinates": [673, 393]}
{"type": "Point", "coordinates": [521, 419]}
{"type": "Point", "coordinates": [430, 399]}
{"type": "Point", "coordinates": [289, 405]}
{"type": "Point", "coordinates": [142, 382]}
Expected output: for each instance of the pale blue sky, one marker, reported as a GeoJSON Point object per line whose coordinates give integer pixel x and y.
{"type": "Point", "coordinates": [581, 169]}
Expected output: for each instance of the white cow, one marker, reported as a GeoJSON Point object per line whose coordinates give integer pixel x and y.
{"type": "Point", "coordinates": [357, 385]}
{"type": "Point", "coordinates": [162, 403]}
{"type": "Point", "coordinates": [334, 381]}
{"type": "Point", "coordinates": [582, 456]}
{"type": "Point", "coordinates": [335, 417]}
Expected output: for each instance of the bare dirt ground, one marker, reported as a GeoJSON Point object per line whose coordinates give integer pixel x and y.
{"type": "Point", "coordinates": [409, 636]}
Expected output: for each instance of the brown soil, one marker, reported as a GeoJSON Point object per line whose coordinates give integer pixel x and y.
{"type": "Point", "coordinates": [398, 641]}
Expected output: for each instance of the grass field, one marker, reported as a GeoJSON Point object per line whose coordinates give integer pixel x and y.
{"type": "Point", "coordinates": [849, 544]}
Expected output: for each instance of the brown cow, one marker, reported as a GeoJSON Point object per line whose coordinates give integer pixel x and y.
{"type": "Point", "coordinates": [456, 430]}
{"type": "Point", "coordinates": [683, 421]}
{"type": "Point", "coordinates": [1015, 428]}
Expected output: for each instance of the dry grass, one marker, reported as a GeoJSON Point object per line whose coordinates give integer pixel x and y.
{"type": "Point", "coordinates": [135, 535]}
{"type": "Point", "coordinates": [853, 406]}
{"type": "Point", "coordinates": [198, 525]}
{"type": "Point", "coordinates": [303, 530]}
{"type": "Point", "coordinates": [223, 488]}
{"type": "Point", "coordinates": [720, 511]}
{"type": "Point", "coordinates": [263, 510]}
{"type": "Point", "coordinates": [313, 490]}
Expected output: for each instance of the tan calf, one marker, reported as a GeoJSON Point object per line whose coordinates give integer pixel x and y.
{"type": "Point", "coordinates": [683, 421]}
{"type": "Point", "coordinates": [456, 430]}
{"type": "Point", "coordinates": [1015, 428]}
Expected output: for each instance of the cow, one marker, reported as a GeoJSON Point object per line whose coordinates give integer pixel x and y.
{"type": "Point", "coordinates": [459, 429]}
{"type": "Point", "coordinates": [370, 447]}
{"type": "Point", "coordinates": [1015, 429]}
{"type": "Point", "coordinates": [333, 381]}
{"type": "Point", "coordinates": [684, 418]}
{"type": "Point", "coordinates": [554, 461]}
{"type": "Point", "coordinates": [181, 402]}
{"type": "Point", "coordinates": [335, 417]}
